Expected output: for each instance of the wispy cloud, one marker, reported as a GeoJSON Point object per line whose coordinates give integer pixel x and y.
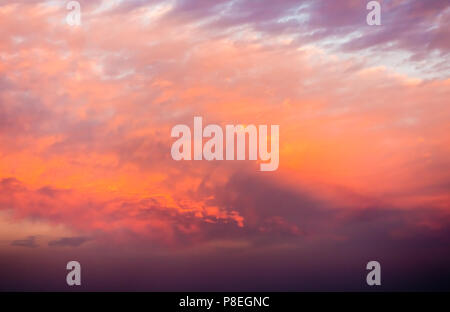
{"type": "Point", "coordinates": [29, 242]}
{"type": "Point", "coordinates": [69, 241]}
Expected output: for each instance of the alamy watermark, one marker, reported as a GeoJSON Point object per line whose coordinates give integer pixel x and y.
{"type": "Point", "coordinates": [74, 16]}
{"type": "Point", "coordinates": [74, 276]}
{"type": "Point", "coordinates": [213, 148]}
{"type": "Point", "coordinates": [374, 16]}
{"type": "Point", "coordinates": [374, 276]}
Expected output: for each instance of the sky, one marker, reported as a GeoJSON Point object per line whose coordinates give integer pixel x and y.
{"type": "Point", "coordinates": [86, 172]}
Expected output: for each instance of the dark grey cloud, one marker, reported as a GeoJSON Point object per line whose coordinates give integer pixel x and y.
{"type": "Point", "coordinates": [29, 242]}
{"type": "Point", "coordinates": [69, 241]}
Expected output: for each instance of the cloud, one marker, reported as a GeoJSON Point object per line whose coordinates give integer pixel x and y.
{"type": "Point", "coordinates": [69, 242]}
{"type": "Point", "coordinates": [29, 242]}
{"type": "Point", "coordinates": [161, 219]}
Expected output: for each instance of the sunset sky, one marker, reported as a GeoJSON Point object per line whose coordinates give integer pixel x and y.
{"type": "Point", "coordinates": [86, 172]}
